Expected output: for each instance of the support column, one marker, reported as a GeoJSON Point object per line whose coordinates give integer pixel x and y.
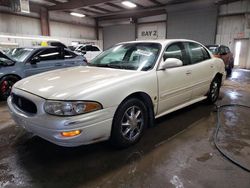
{"type": "Point", "coordinates": [97, 29]}
{"type": "Point", "coordinates": [44, 20]}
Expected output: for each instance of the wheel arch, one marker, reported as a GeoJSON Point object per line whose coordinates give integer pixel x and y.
{"type": "Point", "coordinates": [14, 75]}
{"type": "Point", "coordinates": [146, 99]}
{"type": "Point", "coordinates": [219, 75]}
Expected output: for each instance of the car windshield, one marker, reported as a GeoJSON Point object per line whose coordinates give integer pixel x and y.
{"type": "Point", "coordinates": [19, 54]}
{"type": "Point", "coordinates": [213, 49]}
{"type": "Point", "coordinates": [131, 56]}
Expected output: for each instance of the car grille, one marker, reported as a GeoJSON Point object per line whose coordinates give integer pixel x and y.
{"type": "Point", "coordinates": [24, 104]}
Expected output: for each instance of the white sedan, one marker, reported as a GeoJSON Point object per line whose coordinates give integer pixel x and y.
{"type": "Point", "coordinates": [119, 94]}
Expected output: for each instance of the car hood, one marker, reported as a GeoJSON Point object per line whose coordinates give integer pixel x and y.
{"type": "Point", "coordinates": [5, 56]}
{"type": "Point", "coordinates": [65, 84]}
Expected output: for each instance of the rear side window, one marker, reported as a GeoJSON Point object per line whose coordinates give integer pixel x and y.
{"type": "Point", "coordinates": [94, 49]}
{"type": "Point", "coordinates": [176, 50]}
{"type": "Point", "coordinates": [50, 54]}
{"type": "Point", "coordinates": [68, 54]}
{"type": "Point", "coordinates": [197, 53]}
{"type": "Point", "coordinates": [222, 50]}
{"type": "Point", "coordinates": [227, 50]}
{"type": "Point", "coordinates": [91, 48]}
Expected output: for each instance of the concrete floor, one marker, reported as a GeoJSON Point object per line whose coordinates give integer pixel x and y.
{"type": "Point", "coordinates": [177, 152]}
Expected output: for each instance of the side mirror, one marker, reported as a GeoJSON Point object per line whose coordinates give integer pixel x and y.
{"type": "Point", "coordinates": [34, 60]}
{"type": "Point", "coordinates": [171, 63]}
{"type": "Point", "coordinates": [84, 52]}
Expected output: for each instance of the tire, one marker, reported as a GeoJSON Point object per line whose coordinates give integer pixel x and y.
{"type": "Point", "coordinates": [214, 90]}
{"type": "Point", "coordinates": [6, 84]}
{"type": "Point", "coordinates": [130, 120]}
{"type": "Point", "coordinates": [229, 71]}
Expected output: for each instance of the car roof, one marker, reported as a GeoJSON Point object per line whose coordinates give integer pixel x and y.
{"type": "Point", "coordinates": [216, 45]}
{"type": "Point", "coordinates": [161, 41]}
{"type": "Point", "coordinates": [38, 47]}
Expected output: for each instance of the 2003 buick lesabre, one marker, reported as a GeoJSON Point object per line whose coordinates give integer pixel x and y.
{"type": "Point", "coordinates": [119, 94]}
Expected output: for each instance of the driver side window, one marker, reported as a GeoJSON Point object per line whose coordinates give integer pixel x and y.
{"type": "Point", "coordinates": [177, 51]}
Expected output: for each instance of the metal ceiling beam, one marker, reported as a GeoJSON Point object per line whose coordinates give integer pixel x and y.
{"type": "Point", "coordinates": [74, 4]}
{"type": "Point", "coordinates": [115, 6]}
{"type": "Point", "coordinates": [100, 9]}
{"type": "Point", "coordinates": [53, 1]}
{"type": "Point", "coordinates": [156, 2]}
{"type": "Point", "coordinates": [139, 5]}
{"type": "Point", "coordinates": [220, 2]}
{"type": "Point", "coordinates": [133, 14]}
{"type": "Point", "coordinates": [90, 11]}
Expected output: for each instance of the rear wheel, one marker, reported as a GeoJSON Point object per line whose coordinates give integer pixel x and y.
{"type": "Point", "coordinates": [214, 90]}
{"type": "Point", "coordinates": [229, 71]}
{"type": "Point", "coordinates": [6, 84]}
{"type": "Point", "coordinates": [129, 122]}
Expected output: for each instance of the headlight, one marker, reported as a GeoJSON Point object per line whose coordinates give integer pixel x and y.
{"type": "Point", "coordinates": [70, 108]}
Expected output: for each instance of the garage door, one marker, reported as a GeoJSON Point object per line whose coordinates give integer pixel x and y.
{"type": "Point", "coordinates": [118, 33]}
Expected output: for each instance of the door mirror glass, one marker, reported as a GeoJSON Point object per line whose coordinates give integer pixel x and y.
{"type": "Point", "coordinates": [171, 63]}
{"type": "Point", "coordinates": [35, 60]}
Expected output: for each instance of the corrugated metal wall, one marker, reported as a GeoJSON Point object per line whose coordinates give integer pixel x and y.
{"type": "Point", "coordinates": [196, 24]}
{"type": "Point", "coordinates": [19, 25]}
{"type": "Point", "coordinates": [233, 26]}
{"type": "Point", "coordinates": [118, 33]}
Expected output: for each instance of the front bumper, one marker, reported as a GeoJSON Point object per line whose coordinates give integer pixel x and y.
{"type": "Point", "coordinates": [94, 126]}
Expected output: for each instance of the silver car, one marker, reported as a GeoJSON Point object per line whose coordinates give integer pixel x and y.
{"type": "Point", "coordinates": [19, 63]}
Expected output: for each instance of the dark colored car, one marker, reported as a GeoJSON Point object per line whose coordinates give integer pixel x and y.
{"type": "Point", "coordinates": [19, 63]}
{"type": "Point", "coordinates": [225, 54]}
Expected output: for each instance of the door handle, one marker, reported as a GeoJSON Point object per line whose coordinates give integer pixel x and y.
{"type": "Point", "coordinates": [188, 72]}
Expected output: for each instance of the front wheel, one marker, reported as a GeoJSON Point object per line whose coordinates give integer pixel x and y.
{"type": "Point", "coordinates": [214, 90]}
{"type": "Point", "coordinates": [129, 123]}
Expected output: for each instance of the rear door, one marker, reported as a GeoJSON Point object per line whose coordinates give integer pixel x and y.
{"type": "Point", "coordinates": [202, 68]}
{"type": "Point", "coordinates": [50, 59]}
{"type": "Point", "coordinates": [175, 84]}
{"type": "Point", "coordinates": [71, 59]}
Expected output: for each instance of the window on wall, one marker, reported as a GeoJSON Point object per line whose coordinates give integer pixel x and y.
{"type": "Point", "coordinates": [177, 51]}
{"type": "Point", "coordinates": [197, 53]}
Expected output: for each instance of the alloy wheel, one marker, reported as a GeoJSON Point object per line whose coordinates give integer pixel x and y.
{"type": "Point", "coordinates": [132, 123]}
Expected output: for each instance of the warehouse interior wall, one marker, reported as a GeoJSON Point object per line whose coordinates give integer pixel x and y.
{"type": "Point", "coordinates": [234, 27]}
{"type": "Point", "coordinates": [192, 22]}
{"type": "Point", "coordinates": [62, 27]}
{"type": "Point", "coordinates": [117, 33]}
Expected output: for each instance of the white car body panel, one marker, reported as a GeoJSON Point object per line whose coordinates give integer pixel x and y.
{"type": "Point", "coordinates": [109, 87]}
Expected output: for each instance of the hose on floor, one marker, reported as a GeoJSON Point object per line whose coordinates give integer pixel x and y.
{"type": "Point", "coordinates": [219, 108]}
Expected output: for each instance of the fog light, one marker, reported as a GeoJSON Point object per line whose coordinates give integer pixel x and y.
{"type": "Point", "coordinates": [71, 133]}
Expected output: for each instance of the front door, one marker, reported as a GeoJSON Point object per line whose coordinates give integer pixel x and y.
{"type": "Point", "coordinates": [49, 59]}
{"type": "Point", "coordinates": [174, 83]}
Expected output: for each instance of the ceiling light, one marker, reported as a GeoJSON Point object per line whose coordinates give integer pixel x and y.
{"type": "Point", "coordinates": [77, 14]}
{"type": "Point", "coordinates": [129, 4]}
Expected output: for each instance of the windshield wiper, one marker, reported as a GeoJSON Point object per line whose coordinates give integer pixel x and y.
{"type": "Point", "coordinates": [108, 65]}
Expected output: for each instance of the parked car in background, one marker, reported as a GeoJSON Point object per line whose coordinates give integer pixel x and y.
{"type": "Point", "coordinates": [225, 54]}
{"type": "Point", "coordinates": [119, 94]}
{"type": "Point", "coordinates": [88, 50]}
{"type": "Point", "coordinates": [19, 63]}
{"type": "Point", "coordinates": [56, 44]}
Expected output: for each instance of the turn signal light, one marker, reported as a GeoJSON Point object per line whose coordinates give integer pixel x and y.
{"type": "Point", "coordinates": [71, 133]}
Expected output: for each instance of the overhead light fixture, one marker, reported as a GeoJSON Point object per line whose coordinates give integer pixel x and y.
{"type": "Point", "coordinates": [28, 38]}
{"type": "Point", "coordinates": [129, 4]}
{"type": "Point", "coordinates": [77, 14]}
